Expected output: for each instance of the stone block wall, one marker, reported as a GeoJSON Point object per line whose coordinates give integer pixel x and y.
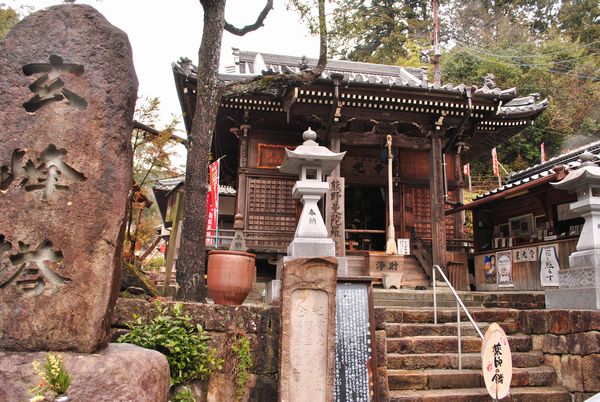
{"type": "Point", "coordinates": [260, 323]}
{"type": "Point", "coordinates": [570, 341]}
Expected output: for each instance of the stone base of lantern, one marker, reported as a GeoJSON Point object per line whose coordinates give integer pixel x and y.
{"type": "Point", "coordinates": [579, 284]}
{"type": "Point", "coordinates": [121, 372]}
{"type": "Point", "coordinates": [300, 247]}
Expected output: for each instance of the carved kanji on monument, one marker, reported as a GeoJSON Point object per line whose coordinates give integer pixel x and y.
{"type": "Point", "coordinates": [65, 171]}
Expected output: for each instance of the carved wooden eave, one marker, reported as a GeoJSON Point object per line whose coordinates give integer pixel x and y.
{"type": "Point", "coordinates": [482, 117]}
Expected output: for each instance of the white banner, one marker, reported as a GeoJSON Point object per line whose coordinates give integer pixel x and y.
{"type": "Point", "coordinates": [504, 266]}
{"type": "Point", "coordinates": [549, 265]}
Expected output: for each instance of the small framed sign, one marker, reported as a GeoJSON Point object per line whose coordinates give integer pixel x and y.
{"type": "Point", "coordinates": [403, 246]}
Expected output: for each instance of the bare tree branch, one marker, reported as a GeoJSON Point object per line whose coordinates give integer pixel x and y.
{"type": "Point", "coordinates": [278, 81]}
{"type": "Point", "coordinates": [253, 27]}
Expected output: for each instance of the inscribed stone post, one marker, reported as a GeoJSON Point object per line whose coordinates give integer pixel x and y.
{"type": "Point", "coordinates": [68, 90]}
{"type": "Point", "coordinates": [307, 358]}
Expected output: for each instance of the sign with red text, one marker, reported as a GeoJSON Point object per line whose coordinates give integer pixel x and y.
{"type": "Point", "coordinates": [212, 204]}
{"type": "Point", "coordinates": [496, 361]}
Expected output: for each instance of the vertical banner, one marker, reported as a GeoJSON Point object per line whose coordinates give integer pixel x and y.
{"type": "Point", "coordinates": [543, 152]}
{"type": "Point", "coordinates": [495, 162]}
{"type": "Point", "coordinates": [467, 172]}
{"type": "Point", "coordinates": [495, 166]}
{"type": "Point", "coordinates": [212, 204]}
{"type": "Point", "coordinates": [489, 268]}
{"type": "Point", "coordinates": [504, 266]}
{"type": "Point", "coordinates": [549, 265]}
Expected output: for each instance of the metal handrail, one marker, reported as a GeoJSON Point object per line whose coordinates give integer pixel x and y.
{"type": "Point", "coordinates": [459, 304]}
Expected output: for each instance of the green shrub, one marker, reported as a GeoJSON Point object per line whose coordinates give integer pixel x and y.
{"type": "Point", "coordinates": [184, 395]}
{"type": "Point", "coordinates": [237, 357]}
{"type": "Point", "coordinates": [172, 334]}
{"type": "Point", "coordinates": [241, 347]}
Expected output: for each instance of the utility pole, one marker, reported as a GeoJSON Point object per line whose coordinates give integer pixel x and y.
{"type": "Point", "coordinates": [437, 53]}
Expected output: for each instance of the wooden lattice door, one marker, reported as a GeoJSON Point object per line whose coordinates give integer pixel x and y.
{"type": "Point", "coordinates": [270, 213]}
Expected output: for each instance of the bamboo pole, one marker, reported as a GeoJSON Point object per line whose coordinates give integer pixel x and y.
{"type": "Point", "coordinates": [390, 246]}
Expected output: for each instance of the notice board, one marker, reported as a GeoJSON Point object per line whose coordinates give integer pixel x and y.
{"type": "Point", "coordinates": [353, 345]}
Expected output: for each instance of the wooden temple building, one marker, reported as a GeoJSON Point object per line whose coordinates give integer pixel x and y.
{"type": "Point", "coordinates": [523, 220]}
{"type": "Point", "coordinates": [352, 107]}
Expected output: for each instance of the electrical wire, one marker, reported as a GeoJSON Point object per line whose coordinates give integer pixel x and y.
{"type": "Point", "coordinates": [587, 77]}
{"type": "Point", "coordinates": [532, 55]}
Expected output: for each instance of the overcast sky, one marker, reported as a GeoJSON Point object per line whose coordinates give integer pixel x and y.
{"type": "Point", "coordinates": [163, 31]}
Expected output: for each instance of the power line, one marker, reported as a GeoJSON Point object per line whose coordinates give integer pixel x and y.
{"type": "Point", "coordinates": [513, 57]}
{"type": "Point", "coordinates": [592, 78]}
{"type": "Point", "coordinates": [529, 54]}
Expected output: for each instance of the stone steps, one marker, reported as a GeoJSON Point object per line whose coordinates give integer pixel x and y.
{"type": "Point", "coordinates": [518, 394]}
{"type": "Point", "coordinates": [422, 357]}
{"type": "Point", "coordinates": [449, 344]}
{"type": "Point", "coordinates": [445, 315]}
{"type": "Point", "coordinates": [406, 296]}
{"type": "Point", "coordinates": [450, 360]}
{"type": "Point", "coordinates": [399, 330]}
{"type": "Point", "coordinates": [409, 297]}
{"type": "Point", "coordinates": [451, 379]}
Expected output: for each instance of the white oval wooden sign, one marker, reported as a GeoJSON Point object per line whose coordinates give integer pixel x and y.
{"type": "Point", "coordinates": [496, 362]}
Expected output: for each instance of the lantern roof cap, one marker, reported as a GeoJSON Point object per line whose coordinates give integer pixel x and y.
{"type": "Point", "coordinates": [310, 153]}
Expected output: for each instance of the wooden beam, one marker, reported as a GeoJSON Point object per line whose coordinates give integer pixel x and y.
{"type": "Point", "coordinates": [173, 243]}
{"type": "Point", "coordinates": [399, 140]}
{"type": "Point", "coordinates": [150, 249]}
{"type": "Point", "coordinates": [436, 191]}
{"type": "Point", "coordinates": [459, 219]}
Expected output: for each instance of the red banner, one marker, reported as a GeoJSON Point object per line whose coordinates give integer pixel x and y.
{"type": "Point", "coordinates": [543, 152]}
{"type": "Point", "coordinates": [495, 162]}
{"type": "Point", "coordinates": [467, 170]}
{"type": "Point", "coordinates": [212, 204]}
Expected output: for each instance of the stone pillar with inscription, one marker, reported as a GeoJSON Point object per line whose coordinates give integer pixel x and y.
{"type": "Point", "coordinates": [68, 91]}
{"type": "Point", "coordinates": [306, 359]}
{"type": "Point", "coordinates": [579, 284]}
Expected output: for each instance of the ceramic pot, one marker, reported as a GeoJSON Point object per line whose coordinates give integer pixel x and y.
{"type": "Point", "coordinates": [231, 276]}
{"type": "Point", "coordinates": [62, 398]}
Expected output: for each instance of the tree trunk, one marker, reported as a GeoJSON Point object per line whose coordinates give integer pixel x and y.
{"type": "Point", "coordinates": [191, 265]}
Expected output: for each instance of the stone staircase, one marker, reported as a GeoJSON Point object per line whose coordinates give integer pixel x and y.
{"type": "Point", "coordinates": [409, 297]}
{"type": "Point", "coordinates": [422, 361]}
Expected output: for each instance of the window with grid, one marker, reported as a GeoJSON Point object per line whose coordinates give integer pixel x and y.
{"type": "Point", "coordinates": [270, 209]}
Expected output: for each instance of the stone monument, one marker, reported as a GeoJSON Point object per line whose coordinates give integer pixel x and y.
{"type": "Point", "coordinates": [308, 283]}
{"type": "Point", "coordinates": [68, 91]}
{"type": "Point", "coordinates": [579, 285]}
{"type": "Point", "coordinates": [306, 358]}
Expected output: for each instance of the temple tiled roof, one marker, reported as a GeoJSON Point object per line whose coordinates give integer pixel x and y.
{"type": "Point", "coordinates": [495, 115]}
{"type": "Point", "coordinates": [251, 64]}
{"type": "Point", "coordinates": [171, 184]}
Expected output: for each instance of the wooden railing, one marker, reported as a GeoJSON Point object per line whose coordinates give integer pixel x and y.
{"type": "Point", "coordinates": [221, 240]}
{"type": "Point", "coordinates": [422, 255]}
{"type": "Point", "coordinates": [464, 245]}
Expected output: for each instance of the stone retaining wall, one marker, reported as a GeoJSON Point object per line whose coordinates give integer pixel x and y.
{"type": "Point", "coordinates": [570, 340]}
{"type": "Point", "coordinates": [260, 323]}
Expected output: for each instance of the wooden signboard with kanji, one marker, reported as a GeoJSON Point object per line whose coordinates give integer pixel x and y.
{"type": "Point", "coordinates": [496, 361]}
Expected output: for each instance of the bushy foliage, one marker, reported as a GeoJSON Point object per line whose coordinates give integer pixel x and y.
{"type": "Point", "coordinates": [184, 345]}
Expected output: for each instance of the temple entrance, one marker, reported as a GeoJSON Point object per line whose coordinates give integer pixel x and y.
{"type": "Point", "coordinates": [365, 208]}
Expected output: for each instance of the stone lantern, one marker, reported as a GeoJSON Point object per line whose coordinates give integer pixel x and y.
{"type": "Point", "coordinates": [580, 283]}
{"type": "Point", "coordinates": [312, 163]}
